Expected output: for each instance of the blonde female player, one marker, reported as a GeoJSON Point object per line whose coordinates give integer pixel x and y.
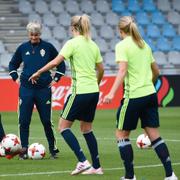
{"type": "Point", "coordinates": [85, 58]}
{"type": "Point", "coordinates": [138, 70]}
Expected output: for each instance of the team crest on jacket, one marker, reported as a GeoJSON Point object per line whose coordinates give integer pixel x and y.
{"type": "Point", "coordinates": [42, 52]}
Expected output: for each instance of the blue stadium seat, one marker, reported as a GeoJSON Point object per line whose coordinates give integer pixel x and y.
{"type": "Point", "coordinates": [133, 6]}
{"type": "Point", "coordinates": [118, 6]}
{"type": "Point", "coordinates": [141, 30]}
{"type": "Point", "coordinates": [153, 31]}
{"type": "Point", "coordinates": [158, 18]}
{"type": "Point", "coordinates": [168, 31]}
{"type": "Point", "coordinates": [179, 29]}
{"type": "Point", "coordinates": [142, 18]}
{"type": "Point", "coordinates": [126, 13]}
{"type": "Point", "coordinates": [176, 43]}
{"type": "Point", "coordinates": [163, 44]}
{"type": "Point", "coordinates": [148, 5]}
{"type": "Point", "coordinates": [151, 43]}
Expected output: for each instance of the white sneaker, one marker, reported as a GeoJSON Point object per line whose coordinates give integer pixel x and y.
{"type": "Point", "coordinates": [93, 171]}
{"type": "Point", "coordinates": [80, 167]}
{"type": "Point", "coordinates": [173, 177]}
{"type": "Point", "coordinates": [123, 178]}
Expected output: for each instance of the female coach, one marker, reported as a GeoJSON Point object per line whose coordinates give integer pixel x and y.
{"type": "Point", "coordinates": [85, 58]}
{"type": "Point", "coordinates": [138, 70]}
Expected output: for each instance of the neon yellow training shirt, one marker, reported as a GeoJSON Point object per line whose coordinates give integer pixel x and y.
{"type": "Point", "coordinates": [83, 55]}
{"type": "Point", "coordinates": [138, 80]}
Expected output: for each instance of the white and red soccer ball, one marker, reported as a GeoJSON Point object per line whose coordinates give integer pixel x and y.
{"type": "Point", "coordinates": [143, 141]}
{"type": "Point", "coordinates": [36, 151]}
{"type": "Point", "coordinates": [11, 143]}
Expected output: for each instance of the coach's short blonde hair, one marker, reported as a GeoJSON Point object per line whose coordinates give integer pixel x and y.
{"type": "Point", "coordinates": [34, 27]}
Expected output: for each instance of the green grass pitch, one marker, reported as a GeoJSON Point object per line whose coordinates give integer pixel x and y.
{"type": "Point", "coordinates": [147, 165]}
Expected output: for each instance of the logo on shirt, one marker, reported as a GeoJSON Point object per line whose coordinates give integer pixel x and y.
{"type": "Point", "coordinates": [48, 102]}
{"type": "Point", "coordinates": [42, 52]}
{"type": "Point", "coordinates": [20, 101]}
{"type": "Point", "coordinates": [27, 53]}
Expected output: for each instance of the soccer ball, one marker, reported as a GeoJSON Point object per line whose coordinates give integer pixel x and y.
{"type": "Point", "coordinates": [2, 151]}
{"type": "Point", "coordinates": [11, 143]}
{"type": "Point", "coordinates": [143, 141]}
{"type": "Point", "coordinates": [36, 151]}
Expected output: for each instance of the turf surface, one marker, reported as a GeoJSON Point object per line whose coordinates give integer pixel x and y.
{"type": "Point", "coordinates": [147, 165]}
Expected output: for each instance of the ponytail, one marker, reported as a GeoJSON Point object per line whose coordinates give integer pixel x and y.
{"type": "Point", "coordinates": [82, 25]}
{"type": "Point", "coordinates": [128, 26]}
{"type": "Point", "coordinates": [134, 33]}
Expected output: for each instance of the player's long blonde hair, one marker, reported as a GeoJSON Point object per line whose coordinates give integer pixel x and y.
{"type": "Point", "coordinates": [128, 26]}
{"type": "Point", "coordinates": [82, 25]}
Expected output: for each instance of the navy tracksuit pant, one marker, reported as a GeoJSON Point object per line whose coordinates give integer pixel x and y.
{"type": "Point", "coordinates": [2, 133]}
{"type": "Point", "coordinates": [42, 99]}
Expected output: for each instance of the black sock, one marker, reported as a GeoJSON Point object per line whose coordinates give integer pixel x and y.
{"type": "Point", "coordinates": [163, 154]}
{"type": "Point", "coordinates": [126, 152]}
{"type": "Point", "coordinates": [73, 144]}
{"type": "Point", "coordinates": [93, 148]}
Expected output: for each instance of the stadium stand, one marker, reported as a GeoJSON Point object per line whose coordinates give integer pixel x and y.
{"type": "Point", "coordinates": [161, 58]}
{"type": "Point", "coordinates": [174, 58]}
{"type": "Point", "coordinates": [41, 7]}
{"type": "Point", "coordinates": [164, 5]}
{"type": "Point", "coordinates": [56, 7]}
{"type": "Point", "coordinates": [163, 44]}
{"type": "Point", "coordinates": [168, 31]}
{"type": "Point", "coordinates": [157, 18]}
{"type": "Point", "coordinates": [87, 7]}
{"type": "Point", "coordinates": [158, 22]}
{"type": "Point", "coordinates": [153, 31]}
{"type": "Point", "coordinates": [142, 18]}
{"type": "Point", "coordinates": [176, 43]}
{"type": "Point", "coordinates": [133, 6]}
{"type": "Point", "coordinates": [2, 49]}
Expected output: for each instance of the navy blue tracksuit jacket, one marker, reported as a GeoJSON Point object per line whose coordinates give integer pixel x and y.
{"type": "Point", "coordinates": [33, 57]}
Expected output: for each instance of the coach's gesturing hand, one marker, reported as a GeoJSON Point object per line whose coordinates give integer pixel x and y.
{"type": "Point", "coordinates": [108, 98]}
{"type": "Point", "coordinates": [35, 77]}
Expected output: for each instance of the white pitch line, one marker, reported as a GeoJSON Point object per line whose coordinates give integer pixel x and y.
{"type": "Point", "coordinates": [107, 139]}
{"type": "Point", "coordinates": [68, 171]}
